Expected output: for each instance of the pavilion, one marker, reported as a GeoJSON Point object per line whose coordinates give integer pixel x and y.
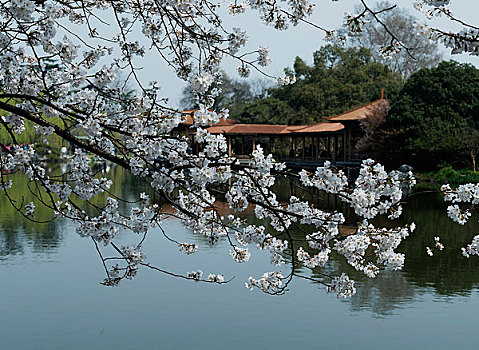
{"type": "Point", "coordinates": [332, 138]}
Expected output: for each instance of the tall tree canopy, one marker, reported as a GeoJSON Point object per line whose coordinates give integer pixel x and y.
{"type": "Point", "coordinates": [421, 51]}
{"type": "Point", "coordinates": [338, 80]}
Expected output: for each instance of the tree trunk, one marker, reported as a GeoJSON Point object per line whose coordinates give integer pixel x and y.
{"type": "Point", "coordinates": [473, 156]}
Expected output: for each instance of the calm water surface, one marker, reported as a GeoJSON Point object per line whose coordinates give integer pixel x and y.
{"type": "Point", "coordinates": [50, 296]}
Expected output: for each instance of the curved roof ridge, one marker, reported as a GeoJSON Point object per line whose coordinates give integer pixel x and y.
{"type": "Point", "coordinates": [350, 115]}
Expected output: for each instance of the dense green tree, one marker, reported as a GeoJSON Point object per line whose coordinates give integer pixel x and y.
{"type": "Point", "coordinates": [269, 110]}
{"type": "Point", "coordinates": [339, 79]}
{"type": "Point", "coordinates": [432, 111]}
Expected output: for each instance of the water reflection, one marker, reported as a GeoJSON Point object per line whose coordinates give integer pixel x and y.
{"type": "Point", "coordinates": [446, 274]}
{"type": "Point", "coordinates": [16, 232]}
{"type": "Point", "coordinates": [388, 291]}
{"type": "Point", "coordinates": [14, 240]}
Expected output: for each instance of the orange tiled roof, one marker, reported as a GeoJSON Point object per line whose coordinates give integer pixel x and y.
{"type": "Point", "coordinates": [359, 113]}
{"type": "Point", "coordinates": [292, 128]}
{"type": "Point", "coordinates": [321, 127]}
{"type": "Point", "coordinates": [230, 127]}
{"type": "Point", "coordinates": [221, 129]}
{"type": "Point", "coordinates": [224, 122]}
{"type": "Point", "coordinates": [248, 129]}
{"type": "Point", "coordinates": [266, 129]}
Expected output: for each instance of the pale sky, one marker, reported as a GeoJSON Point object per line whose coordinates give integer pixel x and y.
{"type": "Point", "coordinates": [301, 40]}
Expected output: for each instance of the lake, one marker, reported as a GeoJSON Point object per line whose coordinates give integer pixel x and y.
{"type": "Point", "coordinates": [51, 298]}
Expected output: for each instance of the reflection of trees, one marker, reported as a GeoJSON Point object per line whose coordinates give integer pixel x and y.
{"type": "Point", "coordinates": [448, 272]}
{"type": "Point", "coordinates": [14, 238]}
{"type": "Point", "coordinates": [16, 231]}
{"type": "Point", "coordinates": [388, 291]}
{"type": "Point", "coordinates": [10, 244]}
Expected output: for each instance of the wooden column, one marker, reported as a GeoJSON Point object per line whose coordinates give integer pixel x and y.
{"type": "Point", "coordinates": [230, 153]}
{"type": "Point", "coordinates": [349, 144]}
{"type": "Point", "coordinates": [293, 143]}
{"type": "Point", "coordinates": [281, 146]}
{"type": "Point", "coordinates": [334, 147]}
{"type": "Point", "coordinates": [304, 147]}
{"type": "Point", "coordinates": [328, 145]}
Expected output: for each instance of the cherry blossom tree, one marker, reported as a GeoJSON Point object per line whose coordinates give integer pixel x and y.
{"type": "Point", "coordinates": [59, 71]}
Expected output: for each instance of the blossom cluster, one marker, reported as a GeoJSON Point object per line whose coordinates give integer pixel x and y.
{"type": "Point", "coordinates": [188, 248]}
{"type": "Point", "coordinates": [467, 193]}
{"type": "Point", "coordinates": [252, 234]}
{"type": "Point", "coordinates": [437, 245]}
{"type": "Point", "coordinates": [472, 248]}
{"type": "Point", "coordinates": [343, 286]}
{"type": "Point", "coordinates": [270, 282]}
{"type": "Point", "coordinates": [375, 191]}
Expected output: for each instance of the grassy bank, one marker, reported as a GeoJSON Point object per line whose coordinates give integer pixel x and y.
{"type": "Point", "coordinates": [447, 174]}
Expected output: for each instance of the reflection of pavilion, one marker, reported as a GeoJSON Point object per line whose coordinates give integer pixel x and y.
{"type": "Point", "coordinates": [333, 138]}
